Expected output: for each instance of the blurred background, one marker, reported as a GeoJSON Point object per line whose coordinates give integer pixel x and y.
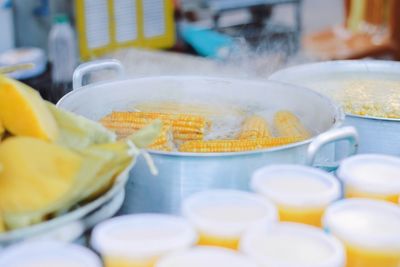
{"type": "Point", "coordinates": [47, 39]}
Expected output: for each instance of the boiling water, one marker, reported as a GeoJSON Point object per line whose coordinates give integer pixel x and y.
{"type": "Point", "coordinates": [362, 95]}
{"type": "Point", "coordinates": [226, 118]}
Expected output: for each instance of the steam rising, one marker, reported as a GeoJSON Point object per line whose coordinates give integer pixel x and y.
{"type": "Point", "coordinates": [242, 60]}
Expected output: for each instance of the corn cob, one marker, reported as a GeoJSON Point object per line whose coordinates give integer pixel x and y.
{"type": "Point", "coordinates": [180, 122]}
{"type": "Point", "coordinates": [164, 140]}
{"type": "Point", "coordinates": [289, 125]}
{"type": "Point", "coordinates": [185, 127]}
{"type": "Point", "coordinates": [254, 127]}
{"type": "Point", "coordinates": [187, 136]}
{"type": "Point", "coordinates": [128, 130]}
{"type": "Point", "coordinates": [161, 147]}
{"type": "Point", "coordinates": [235, 145]}
{"type": "Point", "coordinates": [124, 125]}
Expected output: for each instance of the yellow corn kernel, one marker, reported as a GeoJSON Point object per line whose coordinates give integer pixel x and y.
{"type": "Point", "coordinates": [162, 147]}
{"type": "Point", "coordinates": [185, 127]}
{"type": "Point", "coordinates": [288, 124]}
{"type": "Point", "coordinates": [254, 127]}
{"type": "Point", "coordinates": [191, 127]}
{"type": "Point", "coordinates": [235, 145]}
{"type": "Point", "coordinates": [187, 136]}
{"type": "Point", "coordinates": [129, 130]}
{"type": "Point", "coordinates": [180, 122]}
{"type": "Point", "coordinates": [124, 126]}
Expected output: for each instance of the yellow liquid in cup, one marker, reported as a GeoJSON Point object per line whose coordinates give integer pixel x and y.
{"type": "Point", "coordinates": [359, 257]}
{"type": "Point", "coordinates": [301, 214]}
{"type": "Point", "coordinates": [228, 213]}
{"type": "Point", "coordinates": [380, 178]}
{"type": "Point", "coordinates": [121, 262]}
{"type": "Point", "coordinates": [365, 223]}
{"type": "Point", "coordinates": [210, 240]}
{"type": "Point", "coordinates": [310, 216]}
{"type": "Point", "coordinates": [137, 234]}
{"type": "Point", "coordinates": [352, 192]}
{"type": "Point", "coordinates": [140, 240]}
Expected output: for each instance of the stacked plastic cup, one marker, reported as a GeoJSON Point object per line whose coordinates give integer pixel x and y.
{"type": "Point", "coordinates": [301, 193]}
{"type": "Point", "coordinates": [369, 229]}
{"type": "Point", "coordinates": [140, 240]}
{"type": "Point", "coordinates": [292, 245]}
{"type": "Point", "coordinates": [371, 176]}
{"type": "Point", "coordinates": [221, 216]}
{"type": "Point", "coordinates": [48, 254]}
{"type": "Point", "coordinates": [206, 256]}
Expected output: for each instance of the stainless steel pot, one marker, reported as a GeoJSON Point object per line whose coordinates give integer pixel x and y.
{"type": "Point", "coordinates": [181, 174]}
{"type": "Point", "coordinates": [377, 135]}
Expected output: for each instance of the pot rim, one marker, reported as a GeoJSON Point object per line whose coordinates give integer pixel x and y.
{"type": "Point", "coordinates": [338, 112]}
{"type": "Point", "coordinates": [353, 62]}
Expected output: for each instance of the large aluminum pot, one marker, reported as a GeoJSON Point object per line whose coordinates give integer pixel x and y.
{"type": "Point", "coordinates": [377, 135]}
{"type": "Point", "coordinates": [181, 174]}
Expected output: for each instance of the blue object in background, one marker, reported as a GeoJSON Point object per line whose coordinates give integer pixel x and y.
{"type": "Point", "coordinates": [6, 4]}
{"type": "Point", "coordinates": [206, 42]}
{"type": "Point", "coordinates": [43, 9]}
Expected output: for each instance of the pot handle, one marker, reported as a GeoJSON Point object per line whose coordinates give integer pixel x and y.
{"type": "Point", "coordinates": [96, 65]}
{"type": "Point", "coordinates": [348, 133]}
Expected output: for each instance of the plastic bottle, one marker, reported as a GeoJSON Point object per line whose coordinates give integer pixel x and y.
{"type": "Point", "coordinates": [6, 25]}
{"type": "Point", "coordinates": [62, 50]}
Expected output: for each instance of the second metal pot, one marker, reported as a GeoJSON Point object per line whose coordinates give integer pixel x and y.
{"type": "Point", "coordinates": [377, 135]}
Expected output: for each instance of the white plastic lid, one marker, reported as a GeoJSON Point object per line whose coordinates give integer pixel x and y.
{"type": "Point", "coordinates": [206, 256]}
{"type": "Point", "coordinates": [142, 235]}
{"type": "Point", "coordinates": [372, 173]}
{"type": "Point", "coordinates": [367, 223]}
{"type": "Point", "coordinates": [48, 254]}
{"type": "Point", "coordinates": [228, 212]}
{"type": "Point", "coordinates": [292, 245]}
{"type": "Point", "coordinates": [296, 185]}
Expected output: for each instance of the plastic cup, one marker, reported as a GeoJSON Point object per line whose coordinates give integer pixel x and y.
{"type": "Point", "coordinates": [371, 176]}
{"type": "Point", "coordinates": [140, 240]}
{"type": "Point", "coordinates": [221, 216]}
{"type": "Point", "coordinates": [206, 256]}
{"type": "Point", "coordinates": [370, 230]}
{"type": "Point", "coordinates": [48, 254]}
{"type": "Point", "coordinates": [301, 193]}
{"type": "Point", "coordinates": [292, 245]}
